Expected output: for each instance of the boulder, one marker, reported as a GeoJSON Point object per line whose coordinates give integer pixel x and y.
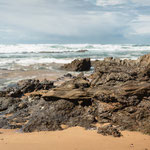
{"type": "Point", "coordinates": [78, 65]}
{"type": "Point", "coordinates": [82, 51]}
{"type": "Point", "coordinates": [109, 130]}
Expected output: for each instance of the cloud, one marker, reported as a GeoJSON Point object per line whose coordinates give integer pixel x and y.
{"type": "Point", "coordinates": [141, 25]}
{"type": "Point", "coordinates": [110, 2]}
{"type": "Point", "coordinates": [49, 18]}
{"type": "Point", "coordinates": [122, 2]}
{"type": "Point", "coordinates": [77, 21]}
{"type": "Point", "coordinates": [141, 2]}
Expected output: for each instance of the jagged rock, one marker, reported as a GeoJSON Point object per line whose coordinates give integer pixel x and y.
{"type": "Point", "coordinates": [6, 102]}
{"type": "Point", "coordinates": [50, 115]}
{"type": "Point", "coordinates": [27, 86]}
{"type": "Point", "coordinates": [144, 60]}
{"type": "Point", "coordinates": [117, 92]}
{"type": "Point", "coordinates": [82, 51]}
{"type": "Point", "coordinates": [68, 75]}
{"type": "Point", "coordinates": [146, 71]}
{"type": "Point", "coordinates": [71, 90]}
{"type": "Point", "coordinates": [109, 130]}
{"type": "Point", "coordinates": [74, 94]}
{"type": "Point", "coordinates": [3, 93]}
{"type": "Point", "coordinates": [78, 65]}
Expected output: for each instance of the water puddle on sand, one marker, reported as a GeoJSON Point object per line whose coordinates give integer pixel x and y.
{"type": "Point", "coordinates": [9, 78]}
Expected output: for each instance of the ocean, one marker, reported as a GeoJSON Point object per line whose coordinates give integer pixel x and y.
{"type": "Point", "coordinates": [15, 59]}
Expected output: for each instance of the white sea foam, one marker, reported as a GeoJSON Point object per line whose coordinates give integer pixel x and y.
{"type": "Point", "coordinates": [36, 48]}
{"type": "Point", "coordinates": [30, 54]}
{"type": "Point", "coordinates": [32, 61]}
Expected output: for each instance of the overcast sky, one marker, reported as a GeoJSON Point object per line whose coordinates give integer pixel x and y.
{"type": "Point", "coordinates": [75, 21]}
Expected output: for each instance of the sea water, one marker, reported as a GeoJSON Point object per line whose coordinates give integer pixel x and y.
{"type": "Point", "coordinates": [29, 54]}
{"type": "Point", "coordinates": [38, 56]}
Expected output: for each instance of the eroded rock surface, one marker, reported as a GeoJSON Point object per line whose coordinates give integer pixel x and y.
{"type": "Point", "coordinates": [78, 65]}
{"type": "Point", "coordinates": [26, 86]}
{"type": "Point", "coordinates": [109, 130]}
{"type": "Point", "coordinates": [117, 92]}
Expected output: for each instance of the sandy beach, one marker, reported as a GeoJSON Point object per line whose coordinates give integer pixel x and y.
{"type": "Point", "coordinates": [72, 139]}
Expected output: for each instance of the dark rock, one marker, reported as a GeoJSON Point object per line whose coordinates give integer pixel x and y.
{"type": "Point", "coordinates": [52, 115]}
{"type": "Point", "coordinates": [3, 93]}
{"type": "Point", "coordinates": [68, 75]}
{"type": "Point", "coordinates": [78, 65]}
{"type": "Point", "coordinates": [109, 130]}
{"type": "Point", "coordinates": [82, 51]}
{"type": "Point", "coordinates": [27, 86]}
{"type": "Point", "coordinates": [118, 93]}
{"type": "Point", "coordinates": [6, 102]}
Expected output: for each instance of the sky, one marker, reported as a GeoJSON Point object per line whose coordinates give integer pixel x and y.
{"type": "Point", "coordinates": [75, 21]}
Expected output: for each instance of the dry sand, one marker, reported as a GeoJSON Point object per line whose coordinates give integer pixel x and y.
{"type": "Point", "coordinates": [72, 139]}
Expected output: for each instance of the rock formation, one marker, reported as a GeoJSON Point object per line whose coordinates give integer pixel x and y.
{"type": "Point", "coordinates": [78, 65]}
{"type": "Point", "coordinates": [117, 92]}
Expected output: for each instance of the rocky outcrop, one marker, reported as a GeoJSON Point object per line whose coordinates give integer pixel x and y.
{"type": "Point", "coordinates": [109, 130]}
{"type": "Point", "coordinates": [78, 65]}
{"type": "Point", "coordinates": [27, 86]}
{"type": "Point", "coordinates": [117, 92]}
{"type": "Point", "coordinates": [82, 51]}
{"type": "Point", "coordinates": [71, 90]}
{"type": "Point", "coordinates": [144, 60]}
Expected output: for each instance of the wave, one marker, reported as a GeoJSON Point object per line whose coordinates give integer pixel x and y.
{"type": "Point", "coordinates": [33, 54]}
{"type": "Point", "coordinates": [56, 48]}
{"type": "Point", "coordinates": [30, 61]}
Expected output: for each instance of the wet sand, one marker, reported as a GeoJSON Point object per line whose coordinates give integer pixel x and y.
{"type": "Point", "coordinates": [11, 77]}
{"type": "Point", "coordinates": [72, 139]}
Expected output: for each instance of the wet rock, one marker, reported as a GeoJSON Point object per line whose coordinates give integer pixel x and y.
{"type": "Point", "coordinates": [109, 130]}
{"type": "Point", "coordinates": [68, 75]}
{"type": "Point", "coordinates": [27, 86]}
{"type": "Point", "coordinates": [82, 51]}
{"type": "Point", "coordinates": [78, 65]}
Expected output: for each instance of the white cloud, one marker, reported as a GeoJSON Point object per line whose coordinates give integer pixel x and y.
{"type": "Point", "coordinates": [122, 2]}
{"type": "Point", "coordinates": [58, 19]}
{"type": "Point", "coordinates": [110, 2]}
{"type": "Point", "coordinates": [79, 19]}
{"type": "Point", "coordinates": [141, 2]}
{"type": "Point", "coordinates": [141, 25]}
